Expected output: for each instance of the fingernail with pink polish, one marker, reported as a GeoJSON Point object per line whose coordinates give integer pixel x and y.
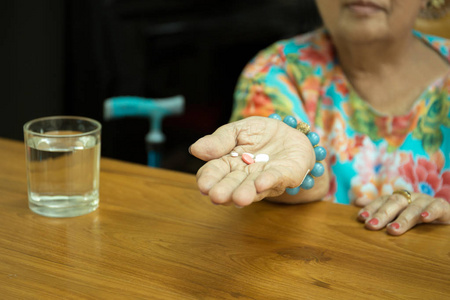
{"type": "Point", "coordinates": [373, 221]}
{"type": "Point", "coordinates": [395, 225]}
{"type": "Point", "coordinates": [425, 214]}
{"type": "Point", "coordinates": [364, 214]}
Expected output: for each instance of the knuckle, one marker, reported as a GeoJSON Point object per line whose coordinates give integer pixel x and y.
{"type": "Point", "coordinates": [383, 214]}
{"type": "Point", "coordinates": [372, 206]}
{"type": "Point", "coordinates": [397, 200]}
{"type": "Point", "coordinates": [415, 208]}
{"type": "Point", "coordinates": [409, 218]}
{"type": "Point", "coordinates": [442, 202]}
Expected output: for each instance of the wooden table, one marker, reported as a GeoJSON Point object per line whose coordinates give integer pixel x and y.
{"type": "Point", "coordinates": [155, 237]}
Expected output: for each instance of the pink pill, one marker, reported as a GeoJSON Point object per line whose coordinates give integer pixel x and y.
{"type": "Point", "coordinates": [251, 155]}
{"type": "Point", "coordinates": [247, 158]}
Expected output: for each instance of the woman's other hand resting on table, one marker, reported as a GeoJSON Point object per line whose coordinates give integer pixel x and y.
{"type": "Point", "coordinates": [398, 214]}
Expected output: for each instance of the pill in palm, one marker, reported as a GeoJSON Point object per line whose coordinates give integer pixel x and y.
{"type": "Point", "coordinates": [248, 158]}
{"type": "Point", "coordinates": [249, 154]}
{"type": "Point", "coordinates": [262, 157]}
{"type": "Point", "coordinates": [234, 154]}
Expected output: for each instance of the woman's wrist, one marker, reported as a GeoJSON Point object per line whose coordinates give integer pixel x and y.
{"type": "Point", "coordinates": [317, 193]}
{"type": "Point", "coordinates": [318, 169]}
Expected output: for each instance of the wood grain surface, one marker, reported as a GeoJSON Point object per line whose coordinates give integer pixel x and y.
{"type": "Point", "coordinates": [155, 236]}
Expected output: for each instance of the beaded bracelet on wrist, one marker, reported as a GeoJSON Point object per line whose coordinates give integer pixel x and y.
{"type": "Point", "coordinates": [321, 153]}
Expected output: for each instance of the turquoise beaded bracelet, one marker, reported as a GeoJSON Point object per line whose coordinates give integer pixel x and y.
{"type": "Point", "coordinates": [320, 152]}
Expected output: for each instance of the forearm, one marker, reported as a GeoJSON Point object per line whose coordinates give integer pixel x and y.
{"type": "Point", "coordinates": [318, 192]}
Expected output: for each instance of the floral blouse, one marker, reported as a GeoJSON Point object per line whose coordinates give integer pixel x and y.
{"type": "Point", "coordinates": [369, 153]}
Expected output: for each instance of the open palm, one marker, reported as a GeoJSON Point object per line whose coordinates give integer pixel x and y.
{"type": "Point", "coordinates": [228, 179]}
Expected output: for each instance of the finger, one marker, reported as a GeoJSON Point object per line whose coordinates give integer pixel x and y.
{"type": "Point", "coordinates": [245, 194]}
{"type": "Point", "coordinates": [280, 177]}
{"type": "Point", "coordinates": [437, 211]}
{"type": "Point", "coordinates": [252, 131]}
{"type": "Point", "coordinates": [362, 201]}
{"type": "Point", "coordinates": [392, 206]}
{"type": "Point", "coordinates": [210, 174]}
{"type": "Point", "coordinates": [270, 178]}
{"type": "Point", "coordinates": [221, 142]}
{"type": "Point", "coordinates": [410, 217]}
{"type": "Point", "coordinates": [222, 191]}
{"type": "Point", "coordinates": [370, 209]}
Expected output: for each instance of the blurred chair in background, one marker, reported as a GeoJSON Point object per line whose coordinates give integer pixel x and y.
{"type": "Point", "coordinates": [153, 109]}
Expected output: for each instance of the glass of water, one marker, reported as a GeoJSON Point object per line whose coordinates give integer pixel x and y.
{"type": "Point", "coordinates": [63, 165]}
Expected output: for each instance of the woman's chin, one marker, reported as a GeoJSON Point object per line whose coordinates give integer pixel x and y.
{"type": "Point", "coordinates": [362, 34]}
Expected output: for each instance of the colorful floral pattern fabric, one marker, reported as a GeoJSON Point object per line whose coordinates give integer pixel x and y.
{"type": "Point", "coordinates": [369, 154]}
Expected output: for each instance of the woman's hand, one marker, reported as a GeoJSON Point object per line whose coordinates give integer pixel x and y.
{"type": "Point", "coordinates": [394, 212]}
{"type": "Point", "coordinates": [229, 180]}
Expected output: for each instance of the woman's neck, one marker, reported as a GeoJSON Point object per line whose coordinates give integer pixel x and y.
{"type": "Point", "coordinates": [390, 76]}
{"type": "Point", "coordinates": [375, 58]}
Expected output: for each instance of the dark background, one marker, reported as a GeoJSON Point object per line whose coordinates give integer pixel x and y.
{"type": "Point", "coordinates": [68, 57]}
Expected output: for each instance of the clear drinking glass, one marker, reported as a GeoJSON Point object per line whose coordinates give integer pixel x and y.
{"type": "Point", "coordinates": [63, 165]}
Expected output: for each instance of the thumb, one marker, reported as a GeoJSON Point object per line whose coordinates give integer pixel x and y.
{"type": "Point", "coordinates": [215, 145]}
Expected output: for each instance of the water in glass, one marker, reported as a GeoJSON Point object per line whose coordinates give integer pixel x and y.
{"type": "Point", "coordinates": [63, 175]}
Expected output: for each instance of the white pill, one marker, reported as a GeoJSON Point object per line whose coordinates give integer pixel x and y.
{"type": "Point", "coordinates": [261, 157]}
{"type": "Point", "coordinates": [249, 154]}
{"type": "Point", "coordinates": [234, 154]}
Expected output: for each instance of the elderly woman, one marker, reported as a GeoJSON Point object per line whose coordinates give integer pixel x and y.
{"type": "Point", "coordinates": [373, 90]}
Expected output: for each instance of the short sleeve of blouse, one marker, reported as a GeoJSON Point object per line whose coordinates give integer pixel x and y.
{"type": "Point", "coordinates": [285, 78]}
{"type": "Point", "coordinates": [266, 87]}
